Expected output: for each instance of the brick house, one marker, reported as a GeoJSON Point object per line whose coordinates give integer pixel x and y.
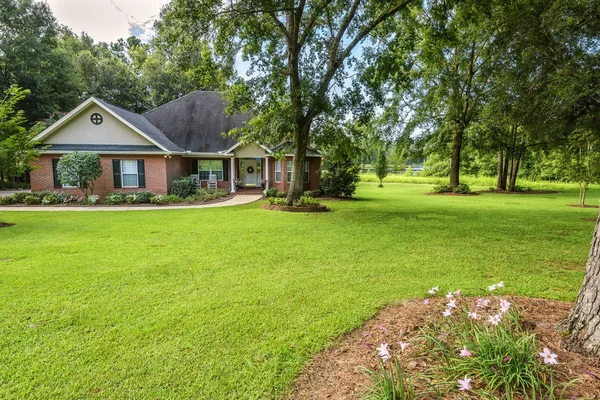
{"type": "Point", "coordinates": [148, 152]}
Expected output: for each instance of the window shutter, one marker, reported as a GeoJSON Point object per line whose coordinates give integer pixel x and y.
{"type": "Point", "coordinates": [194, 166]}
{"type": "Point", "coordinates": [225, 170]}
{"type": "Point", "coordinates": [117, 173]}
{"type": "Point", "coordinates": [141, 174]}
{"type": "Point", "coordinates": [57, 183]}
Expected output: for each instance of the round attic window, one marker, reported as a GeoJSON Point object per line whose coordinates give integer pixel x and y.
{"type": "Point", "coordinates": [96, 119]}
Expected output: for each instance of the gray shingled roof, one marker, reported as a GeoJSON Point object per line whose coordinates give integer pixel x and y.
{"type": "Point", "coordinates": [98, 147]}
{"type": "Point", "coordinates": [196, 122]}
{"type": "Point", "coordinates": [144, 126]}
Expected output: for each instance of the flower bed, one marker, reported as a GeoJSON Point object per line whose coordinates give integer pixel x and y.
{"type": "Point", "coordinates": [456, 347]}
{"type": "Point", "coordinates": [277, 207]}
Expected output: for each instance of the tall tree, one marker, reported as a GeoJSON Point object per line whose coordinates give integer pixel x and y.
{"type": "Point", "coordinates": [300, 52]}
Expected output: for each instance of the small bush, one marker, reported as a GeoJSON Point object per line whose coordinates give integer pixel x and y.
{"type": "Point", "coordinates": [208, 194]}
{"type": "Point", "coordinates": [271, 192]}
{"type": "Point", "coordinates": [51, 199]}
{"type": "Point", "coordinates": [114, 198]}
{"type": "Point", "coordinates": [277, 201]}
{"type": "Point", "coordinates": [158, 199]}
{"type": "Point", "coordinates": [462, 188]}
{"type": "Point", "coordinates": [173, 198]}
{"type": "Point", "coordinates": [314, 193]}
{"type": "Point", "coordinates": [442, 189]}
{"type": "Point", "coordinates": [19, 197]}
{"type": "Point", "coordinates": [183, 186]}
{"type": "Point", "coordinates": [31, 200]}
{"type": "Point", "coordinates": [144, 197]}
{"type": "Point", "coordinates": [306, 201]}
{"type": "Point", "coordinates": [93, 199]}
{"type": "Point", "coordinates": [131, 198]}
{"type": "Point", "coordinates": [72, 199]}
{"type": "Point", "coordinates": [6, 200]}
{"type": "Point", "coordinates": [518, 188]}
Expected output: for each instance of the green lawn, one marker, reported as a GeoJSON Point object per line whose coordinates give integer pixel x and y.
{"type": "Point", "coordinates": [227, 303]}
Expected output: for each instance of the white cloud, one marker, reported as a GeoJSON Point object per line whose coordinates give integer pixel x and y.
{"type": "Point", "coordinates": [108, 20]}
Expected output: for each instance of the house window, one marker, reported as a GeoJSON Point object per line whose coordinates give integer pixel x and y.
{"type": "Point", "coordinates": [208, 167]}
{"type": "Point", "coordinates": [290, 169]}
{"type": "Point", "coordinates": [129, 173]}
{"type": "Point", "coordinates": [277, 171]}
{"type": "Point", "coordinates": [306, 171]}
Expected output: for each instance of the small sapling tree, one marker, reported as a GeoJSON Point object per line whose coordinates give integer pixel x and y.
{"type": "Point", "coordinates": [81, 169]}
{"type": "Point", "coordinates": [381, 167]}
{"type": "Point", "coordinates": [340, 171]}
{"type": "Point", "coordinates": [582, 164]}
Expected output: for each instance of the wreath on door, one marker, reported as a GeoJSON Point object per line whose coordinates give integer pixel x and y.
{"type": "Point", "coordinates": [250, 170]}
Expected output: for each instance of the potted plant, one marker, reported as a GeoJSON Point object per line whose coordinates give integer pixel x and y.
{"type": "Point", "coordinates": [263, 184]}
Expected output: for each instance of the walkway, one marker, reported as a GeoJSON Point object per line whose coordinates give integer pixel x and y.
{"type": "Point", "coordinates": [235, 201]}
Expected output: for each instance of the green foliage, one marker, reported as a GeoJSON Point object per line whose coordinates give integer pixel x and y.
{"type": "Point", "coordinates": [340, 171]}
{"type": "Point", "coordinates": [183, 186]}
{"type": "Point", "coordinates": [17, 147]}
{"type": "Point", "coordinates": [208, 194]}
{"type": "Point", "coordinates": [173, 198]}
{"type": "Point", "coordinates": [306, 200]}
{"type": "Point", "coordinates": [442, 188]}
{"type": "Point", "coordinates": [278, 201]}
{"type": "Point", "coordinates": [158, 199]}
{"type": "Point", "coordinates": [31, 200]}
{"type": "Point", "coordinates": [7, 200]}
{"type": "Point", "coordinates": [115, 198]}
{"type": "Point", "coordinates": [390, 382]}
{"type": "Point", "coordinates": [381, 166]}
{"type": "Point", "coordinates": [274, 192]}
{"type": "Point", "coordinates": [81, 169]}
{"type": "Point", "coordinates": [462, 188]}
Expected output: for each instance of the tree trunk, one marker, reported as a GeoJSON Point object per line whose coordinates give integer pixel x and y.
{"type": "Point", "coordinates": [455, 156]}
{"type": "Point", "coordinates": [500, 170]}
{"type": "Point", "coordinates": [301, 143]}
{"type": "Point", "coordinates": [583, 325]}
{"type": "Point", "coordinates": [582, 192]}
{"type": "Point", "coordinates": [513, 173]}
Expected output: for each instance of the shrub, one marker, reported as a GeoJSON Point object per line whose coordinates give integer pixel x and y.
{"type": "Point", "coordinates": [271, 192]}
{"type": "Point", "coordinates": [51, 199]}
{"type": "Point", "coordinates": [81, 169]}
{"type": "Point", "coordinates": [173, 198]}
{"type": "Point", "coordinates": [183, 186]}
{"type": "Point", "coordinates": [158, 199]}
{"type": "Point", "coordinates": [31, 200]}
{"type": "Point", "coordinates": [339, 172]}
{"type": "Point", "coordinates": [93, 199]}
{"type": "Point", "coordinates": [70, 199]}
{"type": "Point", "coordinates": [307, 200]}
{"type": "Point", "coordinates": [144, 197]}
{"type": "Point", "coordinates": [518, 188]}
{"type": "Point", "coordinates": [462, 188]}
{"type": "Point", "coordinates": [442, 188]}
{"type": "Point", "coordinates": [314, 193]}
{"type": "Point", "coordinates": [208, 194]}
{"type": "Point", "coordinates": [19, 197]}
{"type": "Point", "coordinates": [114, 198]}
{"type": "Point", "coordinates": [131, 198]}
{"type": "Point", "coordinates": [6, 200]}
{"type": "Point", "coordinates": [277, 201]}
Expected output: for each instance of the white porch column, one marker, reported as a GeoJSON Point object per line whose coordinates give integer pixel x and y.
{"type": "Point", "coordinates": [232, 174]}
{"type": "Point", "coordinates": [267, 172]}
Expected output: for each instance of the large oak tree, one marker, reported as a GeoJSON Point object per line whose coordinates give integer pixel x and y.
{"type": "Point", "coordinates": [301, 55]}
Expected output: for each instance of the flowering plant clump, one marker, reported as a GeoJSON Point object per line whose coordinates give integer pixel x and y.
{"type": "Point", "coordinates": [477, 347]}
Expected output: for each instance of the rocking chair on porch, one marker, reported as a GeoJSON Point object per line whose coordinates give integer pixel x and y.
{"type": "Point", "coordinates": [212, 181]}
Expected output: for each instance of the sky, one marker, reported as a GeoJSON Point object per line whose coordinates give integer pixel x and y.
{"type": "Point", "coordinates": [108, 20]}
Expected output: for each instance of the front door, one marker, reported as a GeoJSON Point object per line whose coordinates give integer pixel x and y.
{"type": "Point", "coordinates": [250, 172]}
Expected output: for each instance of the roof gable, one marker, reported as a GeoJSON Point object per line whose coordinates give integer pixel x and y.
{"type": "Point", "coordinates": [197, 122]}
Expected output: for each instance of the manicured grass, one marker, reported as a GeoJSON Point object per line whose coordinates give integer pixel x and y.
{"type": "Point", "coordinates": [484, 181]}
{"type": "Point", "coordinates": [228, 303]}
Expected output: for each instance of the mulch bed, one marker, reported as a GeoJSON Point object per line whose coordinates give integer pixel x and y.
{"type": "Point", "coordinates": [525, 192]}
{"type": "Point", "coordinates": [313, 209]}
{"type": "Point", "coordinates": [578, 206]}
{"type": "Point", "coordinates": [453, 194]}
{"type": "Point", "coordinates": [337, 373]}
{"type": "Point", "coordinates": [190, 203]}
{"type": "Point", "coordinates": [5, 225]}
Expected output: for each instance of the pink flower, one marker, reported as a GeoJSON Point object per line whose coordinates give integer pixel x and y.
{"type": "Point", "coordinates": [492, 287]}
{"type": "Point", "coordinates": [382, 328]}
{"type": "Point", "coordinates": [473, 315]}
{"type": "Point", "coordinates": [384, 352]}
{"type": "Point", "coordinates": [403, 345]}
{"type": "Point", "coordinates": [504, 305]}
{"type": "Point", "coordinates": [447, 313]}
{"type": "Point", "coordinates": [465, 353]}
{"type": "Point", "coordinates": [482, 303]}
{"type": "Point", "coordinates": [433, 290]}
{"type": "Point", "coordinates": [426, 301]}
{"type": "Point", "coordinates": [501, 284]}
{"type": "Point", "coordinates": [449, 295]}
{"type": "Point", "coordinates": [457, 293]}
{"type": "Point", "coordinates": [451, 304]}
{"type": "Point", "coordinates": [495, 319]}
{"type": "Point", "coordinates": [549, 357]}
{"type": "Point", "coordinates": [464, 384]}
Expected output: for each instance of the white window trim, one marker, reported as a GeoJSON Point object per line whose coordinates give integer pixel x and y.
{"type": "Point", "coordinates": [306, 171]}
{"type": "Point", "coordinates": [210, 171]}
{"type": "Point", "coordinates": [278, 164]}
{"type": "Point", "coordinates": [137, 175]}
{"type": "Point", "coordinates": [289, 172]}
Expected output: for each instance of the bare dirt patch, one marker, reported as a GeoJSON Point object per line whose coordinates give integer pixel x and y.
{"type": "Point", "coordinates": [523, 192]}
{"type": "Point", "coordinates": [313, 209]}
{"type": "Point", "coordinates": [452, 194]}
{"type": "Point", "coordinates": [580, 206]}
{"type": "Point", "coordinates": [337, 373]}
